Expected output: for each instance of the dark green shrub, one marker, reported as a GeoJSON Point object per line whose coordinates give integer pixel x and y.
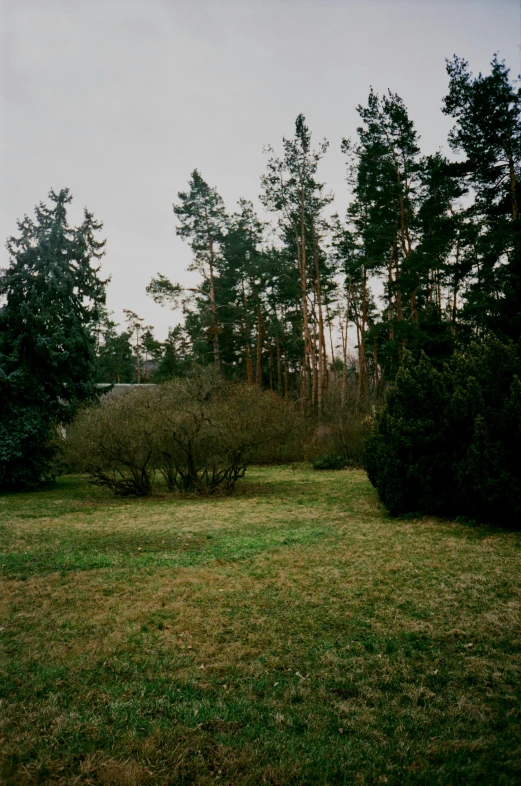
{"type": "Point", "coordinates": [449, 442]}
{"type": "Point", "coordinates": [28, 444]}
{"type": "Point", "coordinates": [408, 454]}
{"type": "Point", "coordinates": [486, 416]}
{"type": "Point", "coordinates": [329, 462]}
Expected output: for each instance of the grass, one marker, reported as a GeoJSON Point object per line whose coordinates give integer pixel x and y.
{"type": "Point", "coordinates": [291, 634]}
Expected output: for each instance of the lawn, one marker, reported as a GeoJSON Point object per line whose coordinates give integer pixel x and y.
{"type": "Point", "coordinates": [291, 634]}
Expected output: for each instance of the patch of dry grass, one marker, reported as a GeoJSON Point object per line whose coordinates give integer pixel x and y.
{"type": "Point", "coordinates": [290, 634]}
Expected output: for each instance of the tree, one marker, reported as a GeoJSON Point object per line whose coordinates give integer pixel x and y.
{"type": "Point", "coordinates": [291, 189]}
{"type": "Point", "coordinates": [487, 110]}
{"type": "Point", "coordinates": [241, 285]}
{"type": "Point", "coordinates": [114, 357]}
{"type": "Point", "coordinates": [135, 328]}
{"type": "Point", "coordinates": [152, 350]}
{"type": "Point", "coordinates": [175, 357]}
{"type": "Point", "coordinates": [202, 222]}
{"type": "Point", "coordinates": [52, 294]}
{"type": "Point", "coordinates": [383, 168]}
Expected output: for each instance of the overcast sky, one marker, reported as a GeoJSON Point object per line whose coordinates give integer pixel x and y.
{"type": "Point", "coordinates": [119, 100]}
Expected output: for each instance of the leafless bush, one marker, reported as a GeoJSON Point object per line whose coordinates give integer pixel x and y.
{"type": "Point", "coordinates": [342, 427]}
{"type": "Point", "coordinates": [112, 442]}
{"type": "Point", "coordinates": [200, 433]}
{"type": "Point", "coordinates": [208, 431]}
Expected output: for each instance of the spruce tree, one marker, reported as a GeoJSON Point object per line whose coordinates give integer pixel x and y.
{"type": "Point", "coordinates": [115, 362]}
{"type": "Point", "coordinates": [52, 293]}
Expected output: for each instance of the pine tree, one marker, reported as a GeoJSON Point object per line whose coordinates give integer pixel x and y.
{"type": "Point", "coordinates": [176, 355]}
{"type": "Point", "coordinates": [291, 190]}
{"type": "Point", "coordinates": [135, 327]}
{"type": "Point", "coordinates": [487, 110]}
{"type": "Point", "coordinates": [115, 361]}
{"type": "Point", "coordinates": [202, 222]}
{"type": "Point", "coordinates": [241, 284]}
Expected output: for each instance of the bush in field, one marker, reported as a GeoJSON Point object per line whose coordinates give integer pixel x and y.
{"type": "Point", "coordinates": [329, 462]}
{"type": "Point", "coordinates": [449, 442]}
{"type": "Point", "coordinates": [199, 433]}
{"type": "Point", "coordinates": [208, 429]}
{"type": "Point", "coordinates": [113, 443]}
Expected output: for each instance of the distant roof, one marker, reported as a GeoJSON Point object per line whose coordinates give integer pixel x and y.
{"type": "Point", "coordinates": [123, 387]}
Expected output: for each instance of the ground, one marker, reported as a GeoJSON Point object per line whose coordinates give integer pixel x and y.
{"type": "Point", "coordinates": [291, 634]}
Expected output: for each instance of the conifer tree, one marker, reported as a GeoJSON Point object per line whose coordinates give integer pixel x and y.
{"type": "Point", "coordinates": [52, 295]}
{"type": "Point", "coordinates": [202, 222]}
{"type": "Point", "coordinates": [291, 190]}
{"type": "Point", "coordinates": [241, 284]}
{"type": "Point", "coordinates": [115, 361]}
{"type": "Point", "coordinates": [487, 110]}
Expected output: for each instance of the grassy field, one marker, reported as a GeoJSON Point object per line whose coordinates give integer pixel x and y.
{"type": "Point", "coordinates": [291, 634]}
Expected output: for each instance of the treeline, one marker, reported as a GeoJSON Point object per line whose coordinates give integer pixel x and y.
{"type": "Point", "coordinates": [426, 259]}
{"type": "Point", "coordinates": [421, 277]}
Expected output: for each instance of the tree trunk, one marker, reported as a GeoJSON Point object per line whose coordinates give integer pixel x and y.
{"type": "Point", "coordinates": [213, 305]}
{"type": "Point", "coordinates": [279, 382]}
{"type": "Point", "coordinates": [301, 247]}
{"type": "Point", "coordinates": [138, 356]}
{"type": "Point", "coordinates": [247, 341]}
{"type": "Point", "coordinates": [322, 352]}
{"type": "Point", "coordinates": [258, 372]}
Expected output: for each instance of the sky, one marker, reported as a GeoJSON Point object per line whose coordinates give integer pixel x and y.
{"type": "Point", "coordinates": [120, 100]}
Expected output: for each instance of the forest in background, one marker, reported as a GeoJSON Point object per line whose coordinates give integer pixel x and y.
{"type": "Point", "coordinates": [427, 257]}
{"type": "Point", "coordinates": [389, 337]}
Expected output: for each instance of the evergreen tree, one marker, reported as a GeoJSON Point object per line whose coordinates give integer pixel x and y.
{"type": "Point", "coordinates": [350, 254]}
{"type": "Point", "coordinates": [449, 442]}
{"type": "Point", "coordinates": [175, 358]}
{"type": "Point", "coordinates": [202, 222]}
{"type": "Point", "coordinates": [115, 361]}
{"type": "Point", "coordinates": [383, 169]}
{"type": "Point", "coordinates": [291, 190]}
{"type": "Point", "coordinates": [52, 298]}
{"type": "Point", "coordinates": [152, 352]}
{"type": "Point", "coordinates": [487, 110]}
{"type": "Point", "coordinates": [135, 329]}
{"type": "Point", "coordinates": [242, 287]}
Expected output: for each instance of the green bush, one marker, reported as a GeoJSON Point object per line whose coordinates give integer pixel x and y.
{"type": "Point", "coordinates": [199, 433]}
{"type": "Point", "coordinates": [329, 462]}
{"type": "Point", "coordinates": [449, 442]}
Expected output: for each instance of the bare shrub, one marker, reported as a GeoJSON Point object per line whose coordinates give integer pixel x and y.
{"type": "Point", "coordinates": [208, 431]}
{"type": "Point", "coordinates": [112, 442]}
{"type": "Point", "coordinates": [200, 433]}
{"type": "Point", "coordinates": [342, 428]}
